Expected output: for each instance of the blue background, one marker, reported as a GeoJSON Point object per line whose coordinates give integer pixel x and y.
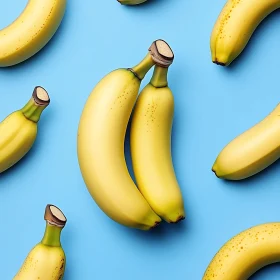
{"type": "Point", "coordinates": [213, 105]}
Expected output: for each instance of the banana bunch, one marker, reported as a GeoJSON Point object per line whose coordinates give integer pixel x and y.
{"type": "Point", "coordinates": [19, 130]}
{"type": "Point", "coordinates": [131, 2]}
{"type": "Point", "coordinates": [252, 151]}
{"type": "Point", "coordinates": [101, 136]}
{"type": "Point", "coordinates": [31, 31]}
{"type": "Point", "coordinates": [235, 26]}
{"type": "Point", "coordinates": [47, 259]}
{"type": "Point", "coordinates": [246, 253]}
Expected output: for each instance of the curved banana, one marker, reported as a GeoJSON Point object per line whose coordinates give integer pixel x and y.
{"type": "Point", "coordinates": [246, 253]}
{"type": "Point", "coordinates": [101, 136]}
{"type": "Point", "coordinates": [252, 151]}
{"type": "Point", "coordinates": [31, 31]}
{"type": "Point", "coordinates": [47, 259]}
{"type": "Point", "coordinates": [235, 26]}
{"type": "Point", "coordinates": [151, 148]}
{"type": "Point", "coordinates": [131, 2]}
{"type": "Point", "coordinates": [19, 130]}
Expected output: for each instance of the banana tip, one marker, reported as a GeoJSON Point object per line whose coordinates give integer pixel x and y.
{"type": "Point", "coordinates": [155, 225]}
{"type": "Point", "coordinates": [180, 218]}
{"type": "Point", "coordinates": [219, 63]}
{"type": "Point", "coordinates": [214, 171]}
{"type": "Point", "coordinates": [217, 173]}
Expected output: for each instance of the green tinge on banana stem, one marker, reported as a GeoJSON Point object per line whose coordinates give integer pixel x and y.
{"type": "Point", "coordinates": [159, 78]}
{"type": "Point", "coordinates": [51, 236]}
{"type": "Point", "coordinates": [159, 54]}
{"type": "Point", "coordinates": [48, 256]}
{"type": "Point", "coordinates": [55, 222]}
{"type": "Point", "coordinates": [141, 69]}
{"type": "Point", "coordinates": [131, 2]}
{"type": "Point", "coordinates": [36, 105]}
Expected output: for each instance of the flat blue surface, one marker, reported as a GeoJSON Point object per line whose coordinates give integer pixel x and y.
{"type": "Point", "coordinates": [213, 105]}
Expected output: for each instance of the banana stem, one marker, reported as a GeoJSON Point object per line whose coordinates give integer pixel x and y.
{"type": "Point", "coordinates": [52, 236]}
{"type": "Point", "coordinates": [36, 105]}
{"type": "Point", "coordinates": [141, 69]}
{"type": "Point", "coordinates": [159, 54]}
{"type": "Point", "coordinates": [55, 223]}
{"type": "Point", "coordinates": [159, 78]}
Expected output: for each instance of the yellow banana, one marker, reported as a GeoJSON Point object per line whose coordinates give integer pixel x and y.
{"type": "Point", "coordinates": [31, 31]}
{"type": "Point", "coordinates": [101, 136]}
{"type": "Point", "coordinates": [252, 151]}
{"type": "Point", "coordinates": [46, 261]}
{"type": "Point", "coordinates": [151, 148]}
{"type": "Point", "coordinates": [246, 253]}
{"type": "Point", "coordinates": [19, 130]}
{"type": "Point", "coordinates": [235, 26]}
{"type": "Point", "coordinates": [131, 2]}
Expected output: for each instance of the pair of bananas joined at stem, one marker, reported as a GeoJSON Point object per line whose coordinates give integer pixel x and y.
{"type": "Point", "coordinates": [101, 137]}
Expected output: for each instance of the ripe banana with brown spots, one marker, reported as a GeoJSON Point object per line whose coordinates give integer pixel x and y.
{"type": "Point", "coordinates": [151, 147]}
{"type": "Point", "coordinates": [246, 253]}
{"type": "Point", "coordinates": [46, 261]}
{"type": "Point", "coordinates": [31, 31]}
{"type": "Point", "coordinates": [235, 26]}
{"type": "Point", "coordinates": [100, 145]}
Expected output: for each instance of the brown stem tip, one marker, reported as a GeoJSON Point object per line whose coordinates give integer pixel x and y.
{"type": "Point", "coordinates": [55, 216]}
{"type": "Point", "coordinates": [40, 96]}
{"type": "Point", "coordinates": [181, 218]}
{"type": "Point", "coordinates": [155, 225]}
{"type": "Point", "coordinates": [219, 63]}
{"type": "Point", "coordinates": [161, 53]}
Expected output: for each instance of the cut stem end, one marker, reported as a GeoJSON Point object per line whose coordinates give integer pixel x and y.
{"type": "Point", "coordinates": [155, 225]}
{"type": "Point", "coordinates": [161, 53]}
{"type": "Point", "coordinates": [40, 96]}
{"type": "Point", "coordinates": [36, 105]}
{"type": "Point", "coordinates": [54, 216]}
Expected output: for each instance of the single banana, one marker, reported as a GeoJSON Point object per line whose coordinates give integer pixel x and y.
{"type": "Point", "coordinates": [31, 31]}
{"type": "Point", "coordinates": [252, 151]}
{"type": "Point", "coordinates": [246, 253]}
{"type": "Point", "coordinates": [131, 2]}
{"type": "Point", "coordinates": [235, 26]}
{"type": "Point", "coordinates": [46, 261]}
{"type": "Point", "coordinates": [19, 130]}
{"type": "Point", "coordinates": [151, 148]}
{"type": "Point", "coordinates": [101, 136]}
